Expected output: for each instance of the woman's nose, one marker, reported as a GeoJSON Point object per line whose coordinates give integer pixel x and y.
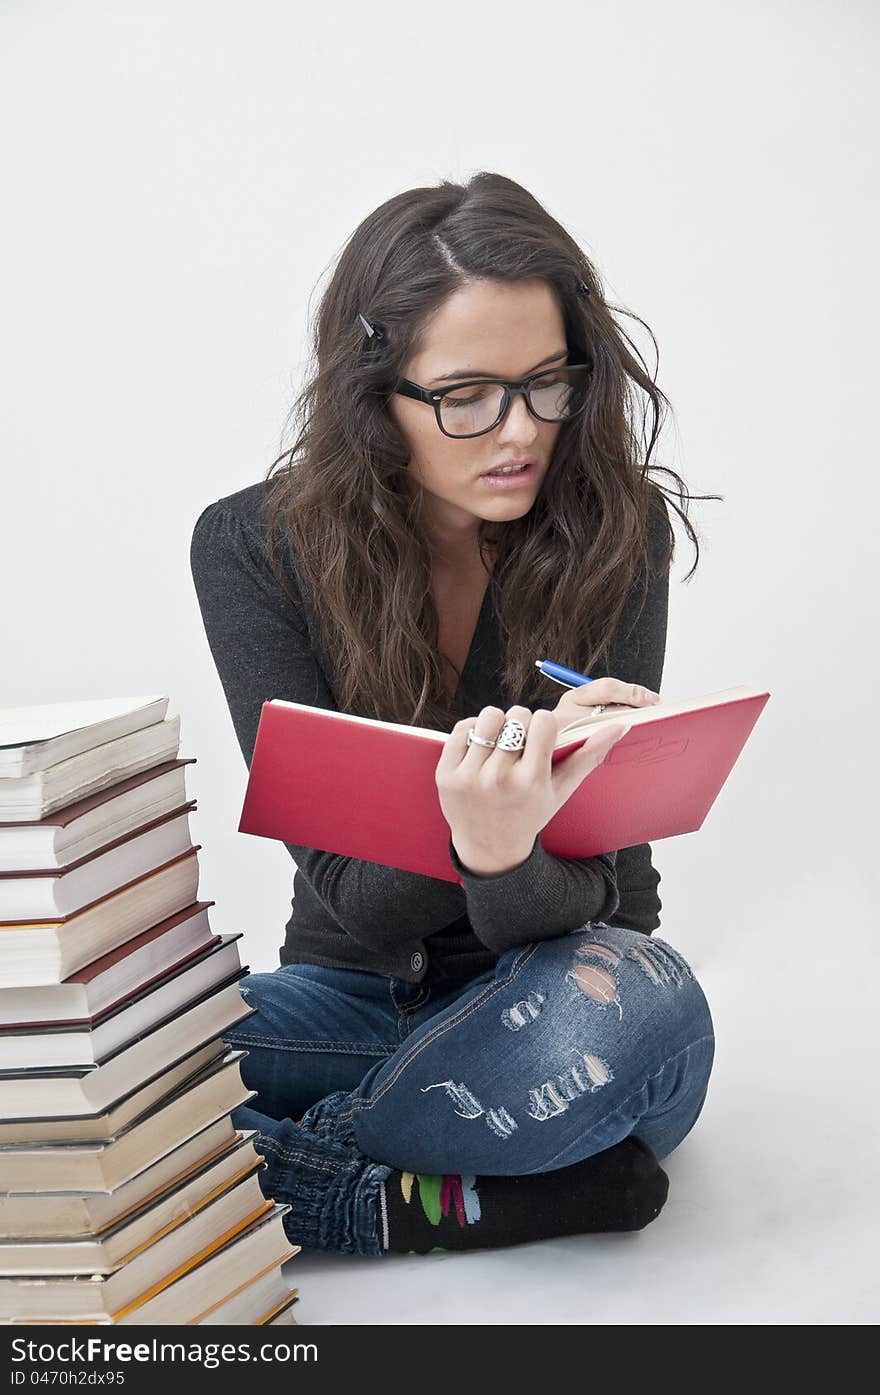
{"type": "Point", "coordinates": [518, 422]}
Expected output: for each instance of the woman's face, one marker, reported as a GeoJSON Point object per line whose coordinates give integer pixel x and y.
{"type": "Point", "coordinates": [482, 330]}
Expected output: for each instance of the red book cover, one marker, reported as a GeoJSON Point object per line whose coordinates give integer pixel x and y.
{"type": "Point", "coordinates": [352, 785]}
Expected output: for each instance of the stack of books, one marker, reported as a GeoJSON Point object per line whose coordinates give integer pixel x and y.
{"type": "Point", "coordinates": [126, 1194]}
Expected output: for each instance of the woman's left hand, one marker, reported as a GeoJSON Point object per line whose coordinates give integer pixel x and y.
{"type": "Point", "coordinates": [609, 693]}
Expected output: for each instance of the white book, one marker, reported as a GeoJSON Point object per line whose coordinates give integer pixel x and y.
{"type": "Point", "coordinates": [94, 1042]}
{"type": "Point", "coordinates": [24, 798]}
{"type": "Point", "coordinates": [88, 824]}
{"type": "Point", "coordinates": [44, 952]}
{"type": "Point", "coordinates": [103, 1125]}
{"type": "Point", "coordinates": [82, 1091]}
{"type": "Point", "coordinates": [49, 895]}
{"type": "Point", "coordinates": [37, 736]}
{"type": "Point", "coordinates": [107, 1250]}
{"type": "Point", "coordinates": [181, 1298]}
{"type": "Point", "coordinates": [285, 1318]}
{"type": "Point", "coordinates": [72, 1188]}
{"type": "Point", "coordinates": [85, 1295]}
{"type": "Point", "coordinates": [107, 981]}
{"type": "Point", "coordinates": [37, 1215]}
{"type": "Point", "coordinates": [189, 1298]}
{"type": "Point", "coordinates": [270, 1294]}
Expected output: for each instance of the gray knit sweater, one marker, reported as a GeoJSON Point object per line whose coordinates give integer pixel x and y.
{"type": "Point", "coordinates": [353, 914]}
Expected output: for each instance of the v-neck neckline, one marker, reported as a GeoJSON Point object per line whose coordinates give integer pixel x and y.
{"type": "Point", "coordinates": [477, 637]}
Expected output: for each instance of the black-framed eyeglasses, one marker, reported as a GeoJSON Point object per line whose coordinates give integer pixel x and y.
{"type": "Point", "coordinates": [473, 407]}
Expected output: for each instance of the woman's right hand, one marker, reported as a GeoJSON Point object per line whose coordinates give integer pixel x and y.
{"type": "Point", "coordinates": [609, 693]}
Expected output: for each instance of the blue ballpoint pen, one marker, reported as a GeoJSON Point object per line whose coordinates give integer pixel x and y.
{"type": "Point", "coordinates": [566, 676]}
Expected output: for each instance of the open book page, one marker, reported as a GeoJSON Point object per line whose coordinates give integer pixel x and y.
{"type": "Point", "coordinates": [20, 726]}
{"type": "Point", "coordinates": [366, 721]}
{"type": "Point", "coordinates": [646, 715]}
{"type": "Point", "coordinates": [635, 715]}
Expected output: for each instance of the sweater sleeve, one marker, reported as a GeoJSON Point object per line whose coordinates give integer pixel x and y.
{"type": "Point", "coordinates": [260, 644]}
{"type": "Point", "coordinates": [544, 897]}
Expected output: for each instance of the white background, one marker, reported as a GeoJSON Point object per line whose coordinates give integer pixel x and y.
{"type": "Point", "coordinates": [178, 180]}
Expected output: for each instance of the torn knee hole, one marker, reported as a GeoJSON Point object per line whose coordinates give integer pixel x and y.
{"type": "Point", "coordinates": [593, 950]}
{"type": "Point", "coordinates": [660, 962]}
{"type": "Point", "coordinates": [598, 984]}
{"type": "Point", "coordinates": [523, 1012]}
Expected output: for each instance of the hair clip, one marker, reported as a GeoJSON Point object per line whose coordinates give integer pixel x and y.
{"type": "Point", "coordinates": [372, 330]}
{"type": "Point", "coordinates": [583, 289]}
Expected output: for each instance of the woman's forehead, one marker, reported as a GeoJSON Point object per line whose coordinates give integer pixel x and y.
{"type": "Point", "coordinates": [490, 328]}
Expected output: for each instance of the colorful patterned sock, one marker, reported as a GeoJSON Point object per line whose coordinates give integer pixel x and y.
{"type": "Point", "coordinates": [621, 1188]}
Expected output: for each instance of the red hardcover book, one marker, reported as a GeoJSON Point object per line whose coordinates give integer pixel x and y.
{"type": "Point", "coordinates": [364, 788]}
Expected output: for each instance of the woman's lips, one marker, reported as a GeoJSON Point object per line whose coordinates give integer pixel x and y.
{"type": "Point", "coordinates": [515, 481]}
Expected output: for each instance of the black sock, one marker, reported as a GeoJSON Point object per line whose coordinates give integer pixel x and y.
{"type": "Point", "coordinates": [621, 1188]}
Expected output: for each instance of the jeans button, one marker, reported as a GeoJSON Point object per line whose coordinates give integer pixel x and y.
{"type": "Point", "coordinates": [417, 961]}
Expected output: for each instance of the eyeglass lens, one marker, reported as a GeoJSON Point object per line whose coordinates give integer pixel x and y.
{"type": "Point", "coordinates": [554, 396]}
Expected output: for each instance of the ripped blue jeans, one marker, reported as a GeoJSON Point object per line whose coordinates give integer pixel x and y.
{"type": "Point", "coordinates": [559, 1051]}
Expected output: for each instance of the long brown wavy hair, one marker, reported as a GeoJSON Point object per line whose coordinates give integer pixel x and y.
{"type": "Point", "coordinates": [342, 499]}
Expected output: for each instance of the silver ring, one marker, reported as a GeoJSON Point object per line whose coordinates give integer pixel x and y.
{"type": "Point", "coordinates": [473, 740]}
{"type": "Point", "coordinates": [596, 711]}
{"type": "Point", "coordinates": [513, 736]}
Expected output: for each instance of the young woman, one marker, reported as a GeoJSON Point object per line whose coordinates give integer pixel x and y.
{"type": "Point", "coordinates": [444, 1066]}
